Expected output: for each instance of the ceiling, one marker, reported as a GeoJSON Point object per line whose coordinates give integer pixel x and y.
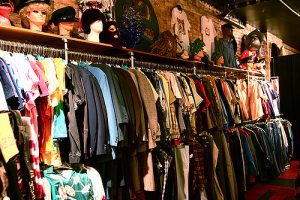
{"type": "Point", "coordinates": [267, 15]}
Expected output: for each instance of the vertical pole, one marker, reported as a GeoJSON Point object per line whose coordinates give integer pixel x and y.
{"type": "Point", "coordinates": [66, 49]}
{"type": "Point", "coordinates": [132, 59]}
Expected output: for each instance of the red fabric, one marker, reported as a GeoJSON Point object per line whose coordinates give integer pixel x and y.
{"type": "Point", "coordinates": [198, 173]}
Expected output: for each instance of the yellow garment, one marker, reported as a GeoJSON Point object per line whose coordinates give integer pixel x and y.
{"type": "Point", "coordinates": [52, 157]}
{"type": "Point", "coordinates": [53, 84]}
{"type": "Point", "coordinates": [8, 144]}
{"type": "Point", "coordinates": [60, 75]}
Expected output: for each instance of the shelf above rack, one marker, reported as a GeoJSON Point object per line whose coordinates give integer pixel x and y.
{"type": "Point", "coordinates": [22, 35]}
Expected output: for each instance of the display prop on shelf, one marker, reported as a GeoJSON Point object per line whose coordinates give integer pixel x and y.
{"type": "Point", "coordinates": [217, 58]}
{"type": "Point", "coordinates": [110, 34]}
{"type": "Point", "coordinates": [137, 23]}
{"type": "Point", "coordinates": [165, 45]}
{"type": "Point", "coordinates": [64, 18]}
{"type": "Point", "coordinates": [251, 59]}
{"type": "Point", "coordinates": [34, 14]}
{"type": "Point", "coordinates": [92, 24]}
{"type": "Point", "coordinates": [6, 7]}
{"type": "Point", "coordinates": [197, 49]}
{"type": "Point", "coordinates": [226, 46]}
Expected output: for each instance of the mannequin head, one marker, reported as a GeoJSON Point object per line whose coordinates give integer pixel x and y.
{"type": "Point", "coordinates": [197, 49]}
{"type": "Point", "coordinates": [217, 58]}
{"type": "Point", "coordinates": [92, 24]}
{"type": "Point", "coordinates": [111, 34]}
{"type": "Point", "coordinates": [227, 31]}
{"type": "Point", "coordinates": [6, 7]}
{"type": "Point", "coordinates": [64, 18]}
{"type": "Point", "coordinates": [35, 15]}
{"type": "Point", "coordinates": [254, 40]}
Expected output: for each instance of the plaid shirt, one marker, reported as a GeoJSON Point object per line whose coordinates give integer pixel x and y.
{"type": "Point", "coordinates": [197, 161]}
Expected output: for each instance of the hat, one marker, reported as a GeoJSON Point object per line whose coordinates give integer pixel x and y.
{"type": "Point", "coordinates": [22, 3]}
{"type": "Point", "coordinates": [196, 46]}
{"type": "Point", "coordinates": [7, 3]}
{"type": "Point", "coordinates": [227, 26]}
{"type": "Point", "coordinates": [89, 16]}
{"type": "Point", "coordinates": [257, 33]}
{"type": "Point", "coordinates": [66, 14]}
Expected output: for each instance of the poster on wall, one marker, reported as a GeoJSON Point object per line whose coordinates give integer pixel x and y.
{"type": "Point", "coordinates": [137, 23]}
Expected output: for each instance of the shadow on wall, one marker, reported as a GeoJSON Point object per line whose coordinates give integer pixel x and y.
{"type": "Point", "coordinates": [288, 70]}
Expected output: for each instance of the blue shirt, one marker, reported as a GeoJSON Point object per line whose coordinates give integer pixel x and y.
{"type": "Point", "coordinates": [227, 50]}
{"type": "Point", "coordinates": [111, 115]}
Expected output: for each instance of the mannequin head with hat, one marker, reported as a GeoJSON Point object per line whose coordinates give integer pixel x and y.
{"type": "Point", "coordinates": [217, 58]}
{"type": "Point", "coordinates": [197, 49]}
{"type": "Point", "coordinates": [6, 7]}
{"type": "Point", "coordinates": [64, 18]}
{"type": "Point", "coordinates": [92, 24]}
{"type": "Point", "coordinates": [35, 14]}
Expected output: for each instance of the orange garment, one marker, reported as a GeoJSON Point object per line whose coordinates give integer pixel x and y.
{"type": "Point", "coordinates": [242, 90]}
{"type": "Point", "coordinates": [256, 96]}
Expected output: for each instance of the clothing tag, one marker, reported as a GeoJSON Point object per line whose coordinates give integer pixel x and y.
{"type": "Point", "coordinates": [8, 144]}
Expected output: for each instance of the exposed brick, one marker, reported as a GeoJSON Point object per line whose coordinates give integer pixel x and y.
{"type": "Point", "coordinates": [194, 9]}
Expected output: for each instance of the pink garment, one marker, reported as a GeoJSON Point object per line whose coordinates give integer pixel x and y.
{"type": "Point", "coordinates": [34, 157]}
{"type": "Point", "coordinates": [42, 83]}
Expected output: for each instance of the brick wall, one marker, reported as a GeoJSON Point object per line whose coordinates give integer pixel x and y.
{"type": "Point", "coordinates": [194, 10]}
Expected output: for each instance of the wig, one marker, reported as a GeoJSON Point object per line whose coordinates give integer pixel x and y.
{"type": "Point", "coordinates": [25, 11]}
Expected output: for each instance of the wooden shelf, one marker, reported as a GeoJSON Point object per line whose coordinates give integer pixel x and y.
{"type": "Point", "coordinates": [10, 33]}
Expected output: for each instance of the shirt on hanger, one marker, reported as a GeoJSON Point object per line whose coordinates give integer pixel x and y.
{"type": "Point", "coordinates": [182, 27]}
{"type": "Point", "coordinates": [208, 33]}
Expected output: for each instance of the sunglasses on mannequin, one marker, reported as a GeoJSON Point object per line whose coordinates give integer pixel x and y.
{"type": "Point", "coordinates": [39, 11]}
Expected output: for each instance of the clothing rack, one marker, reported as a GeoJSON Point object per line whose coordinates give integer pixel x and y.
{"type": "Point", "coordinates": [25, 48]}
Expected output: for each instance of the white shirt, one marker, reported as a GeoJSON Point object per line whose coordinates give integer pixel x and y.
{"type": "Point", "coordinates": [208, 33]}
{"type": "Point", "coordinates": [182, 27]}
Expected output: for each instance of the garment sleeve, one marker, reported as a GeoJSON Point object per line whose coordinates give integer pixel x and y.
{"type": "Point", "coordinates": [187, 23]}
{"type": "Point", "coordinates": [173, 18]}
{"type": "Point", "coordinates": [203, 24]}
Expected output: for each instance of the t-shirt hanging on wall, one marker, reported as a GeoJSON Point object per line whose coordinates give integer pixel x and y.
{"type": "Point", "coordinates": [182, 27]}
{"type": "Point", "coordinates": [208, 33]}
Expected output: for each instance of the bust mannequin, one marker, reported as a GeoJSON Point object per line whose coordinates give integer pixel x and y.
{"type": "Point", "coordinates": [225, 45]}
{"type": "Point", "coordinates": [217, 58]}
{"type": "Point", "coordinates": [35, 15]}
{"type": "Point", "coordinates": [64, 18]}
{"type": "Point", "coordinates": [96, 28]}
{"type": "Point", "coordinates": [249, 58]}
{"type": "Point", "coordinates": [6, 7]}
{"type": "Point", "coordinates": [65, 28]}
{"type": "Point", "coordinates": [197, 49]}
{"type": "Point", "coordinates": [92, 24]}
